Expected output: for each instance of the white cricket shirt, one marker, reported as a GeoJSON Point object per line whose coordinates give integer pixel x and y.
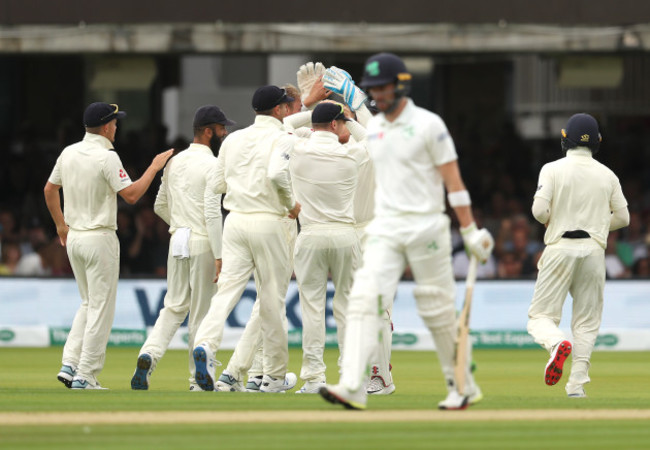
{"type": "Point", "coordinates": [406, 153]}
{"type": "Point", "coordinates": [248, 161]}
{"type": "Point", "coordinates": [188, 197]}
{"type": "Point", "coordinates": [582, 193]}
{"type": "Point", "coordinates": [324, 175]}
{"type": "Point", "coordinates": [91, 174]}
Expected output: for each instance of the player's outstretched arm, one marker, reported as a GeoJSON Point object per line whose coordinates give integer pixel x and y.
{"type": "Point", "coordinates": [136, 190]}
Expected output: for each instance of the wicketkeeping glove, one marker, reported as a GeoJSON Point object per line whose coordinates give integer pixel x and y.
{"type": "Point", "coordinates": [307, 75]}
{"type": "Point", "coordinates": [339, 81]}
{"type": "Point", "coordinates": [477, 242]}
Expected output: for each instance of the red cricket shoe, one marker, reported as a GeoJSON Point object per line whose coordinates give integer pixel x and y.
{"type": "Point", "coordinates": [553, 371]}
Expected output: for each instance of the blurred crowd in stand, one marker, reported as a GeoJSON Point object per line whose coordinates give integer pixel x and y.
{"type": "Point", "coordinates": [501, 177]}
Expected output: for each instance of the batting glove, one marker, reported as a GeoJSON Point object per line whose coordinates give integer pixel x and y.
{"type": "Point", "coordinates": [339, 81]}
{"type": "Point", "coordinates": [477, 242]}
{"type": "Point", "coordinates": [307, 75]}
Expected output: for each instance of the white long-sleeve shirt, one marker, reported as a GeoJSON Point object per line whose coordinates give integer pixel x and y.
{"type": "Point", "coordinates": [582, 193]}
{"type": "Point", "coordinates": [364, 194]}
{"type": "Point", "coordinates": [188, 197]}
{"type": "Point", "coordinates": [253, 169]}
{"type": "Point", "coordinates": [91, 176]}
{"type": "Point", "coordinates": [325, 174]}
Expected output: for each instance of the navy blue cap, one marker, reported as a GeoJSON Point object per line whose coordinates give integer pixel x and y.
{"type": "Point", "coordinates": [325, 112]}
{"type": "Point", "coordinates": [99, 113]}
{"type": "Point", "coordinates": [210, 114]}
{"type": "Point", "coordinates": [268, 97]}
{"type": "Point", "coordinates": [582, 131]}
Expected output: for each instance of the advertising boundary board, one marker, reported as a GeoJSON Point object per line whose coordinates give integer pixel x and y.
{"type": "Point", "coordinates": [38, 312]}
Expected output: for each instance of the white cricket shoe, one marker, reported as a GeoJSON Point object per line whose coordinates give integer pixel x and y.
{"type": "Point", "coordinates": [80, 383]}
{"type": "Point", "coordinates": [66, 374]}
{"type": "Point", "coordinates": [140, 380]}
{"type": "Point", "coordinates": [206, 366]}
{"type": "Point", "coordinates": [454, 401]}
{"type": "Point", "coordinates": [339, 395]}
{"type": "Point", "coordinates": [228, 383]}
{"type": "Point", "coordinates": [475, 396]}
{"type": "Point", "coordinates": [276, 385]}
{"type": "Point", "coordinates": [311, 387]}
{"type": "Point", "coordinates": [195, 388]}
{"type": "Point", "coordinates": [254, 383]}
{"type": "Point", "coordinates": [577, 392]}
{"type": "Point", "coordinates": [378, 386]}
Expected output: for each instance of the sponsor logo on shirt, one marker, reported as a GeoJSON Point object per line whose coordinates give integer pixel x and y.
{"type": "Point", "coordinates": [443, 136]}
{"type": "Point", "coordinates": [373, 136]}
{"type": "Point", "coordinates": [123, 175]}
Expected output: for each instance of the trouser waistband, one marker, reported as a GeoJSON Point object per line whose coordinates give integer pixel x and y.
{"type": "Point", "coordinates": [576, 234]}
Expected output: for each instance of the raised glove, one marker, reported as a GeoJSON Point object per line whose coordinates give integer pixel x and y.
{"type": "Point", "coordinates": [307, 75]}
{"type": "Point", "coordinates": [339, 81]}
{"type": "Point", "coordinates": [477, 242]}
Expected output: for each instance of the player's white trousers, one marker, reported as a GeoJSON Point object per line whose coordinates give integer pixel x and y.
{"type": "Point", "coordinates": [423, 242]}
{"type": "Point", "coordinates": [576, 267]}
{"type": "Point", "coordinates": [249, 352]}
{"type": "Point", "coordinates": [95, 260]}
{"type": "Point", "coordinates": [254, 241]}
{"type": "Point", "coordinates": [323, 249]}
{"type": "Point", "coordinates": [190, 287]}
{"type": "Point", "coordinates": [380, 362]}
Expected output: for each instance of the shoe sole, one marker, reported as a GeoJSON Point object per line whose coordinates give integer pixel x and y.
{"type": "Point", "coordinates": [463, 405]}
{"type": "Point", "coordinates": [553, 371]}
{"type": "Point", "coordinates": [337, 400]}
{"type": "Point", "coordinates": [202, 376]}
{"type": "Point", "coordinates": [62, 377]}
{"type": "Point", "coordinates": [139, 381]}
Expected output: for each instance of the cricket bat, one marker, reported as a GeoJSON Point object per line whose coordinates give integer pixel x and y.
{"type": "Point", "coordinates": [462, 342]}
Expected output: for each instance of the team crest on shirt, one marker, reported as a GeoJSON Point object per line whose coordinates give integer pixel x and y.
{"type": "Point", "coordinates": [409, 131]}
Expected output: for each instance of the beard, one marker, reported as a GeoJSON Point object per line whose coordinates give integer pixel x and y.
{"type": "Point", "coordinates": [215, 144]}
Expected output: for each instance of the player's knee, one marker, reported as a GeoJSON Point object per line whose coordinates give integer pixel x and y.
{"type": "Point", "coordinates": [435, 305]}
{"type": "Point", "coordinates": [364, 296]}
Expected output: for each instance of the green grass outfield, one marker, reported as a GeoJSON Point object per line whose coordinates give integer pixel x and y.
{"type": "Point", "coordinates": [511, 381]}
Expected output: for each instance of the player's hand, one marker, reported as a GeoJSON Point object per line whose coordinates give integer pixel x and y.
{"type": "Point", "coordinates": [161, 159]}
{"type": "Point", "coordinates": [307, 75]}
{"type": "Point", "coordinates": [339, 81]}
{"type": "Point", "coordinates": [317, 93]}
{"type": "Point", "coordinates": [63, 234]}
{"type": "Point", "coordinates": [293, 214]}
{"type": "Point", "coordinates": [477, 242]}
{"type": "Point", "coordinates": [217, 266]}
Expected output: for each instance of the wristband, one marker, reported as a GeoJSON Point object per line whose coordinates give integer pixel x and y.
{"type": "Point", "coordinates": [459, 198]}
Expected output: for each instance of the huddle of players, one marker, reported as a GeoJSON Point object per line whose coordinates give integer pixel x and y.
{"type": "Point", "coordinates": [370, 194]}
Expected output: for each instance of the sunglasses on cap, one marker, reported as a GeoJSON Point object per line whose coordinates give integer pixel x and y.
{"type": "Point", "coordinates": [117, 109]}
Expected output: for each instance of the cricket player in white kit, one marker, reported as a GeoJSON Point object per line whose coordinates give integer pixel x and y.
{"type": "Point", "coordinates": [91, 175]}
{"type": "Point", "coordinates": [415, 159]}
{"type": "Point", "coordinates": [188, 201]}
{"type": "Point", "coordinates": [580, 201]}
{"type": "Point", "coordinates": [324, 172]}
{"type": "Point", "coordinates": [253, 170]}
